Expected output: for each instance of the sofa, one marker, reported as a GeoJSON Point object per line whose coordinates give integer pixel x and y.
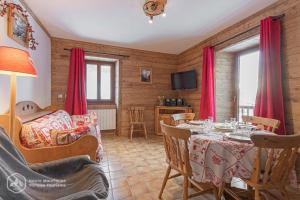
{"type": "Point", "coordinates": [59, 129]}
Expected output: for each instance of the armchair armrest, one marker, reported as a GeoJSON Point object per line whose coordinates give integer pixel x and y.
{"type": "Point", "coordinates": [61, 167]}
{"type": "Point", "coordinates": [86, 145]}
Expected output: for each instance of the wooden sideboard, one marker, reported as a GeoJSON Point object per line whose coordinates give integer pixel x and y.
{"type": "Point", "coordinates": [165, 112]}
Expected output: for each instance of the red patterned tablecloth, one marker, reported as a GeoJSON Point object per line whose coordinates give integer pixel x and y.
{"type": "Point", "coordinates": [216, 159]}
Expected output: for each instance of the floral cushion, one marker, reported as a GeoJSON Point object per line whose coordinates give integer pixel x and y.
{"type": "Point", "coordinates": [80, 120]}
{"type": "Point", "coordinates": [91, 121]}
{"type": "Point", "coordinates": [71, 135]}
{"type": "Point", "coordinates": [59, 128]}
{"type": "Point", "coordinates": [62, 137]}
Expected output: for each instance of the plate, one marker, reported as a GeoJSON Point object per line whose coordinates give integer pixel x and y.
{"type": "Point", "coordinates": [223, 127]}
{"type": "Point", "coordinates": [196, 122]}
{"type": "Point", "coordinates": [238, 137]}
{"type": "Point", "coordinates": [189, 126]}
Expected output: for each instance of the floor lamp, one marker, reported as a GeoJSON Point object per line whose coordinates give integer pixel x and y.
{"type": "Point", "coordinates": [15, 62]}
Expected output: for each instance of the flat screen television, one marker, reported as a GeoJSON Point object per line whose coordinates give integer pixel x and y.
{"type": "Point", "coordinates": [184, 80]}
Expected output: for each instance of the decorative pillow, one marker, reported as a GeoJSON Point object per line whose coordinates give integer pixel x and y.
{"type": "Point", "coordinates": [63, 137]}
{"type": "Point", "coordinates": [37, 133]}
{"type": "Point", "coordinates": [81, 120]}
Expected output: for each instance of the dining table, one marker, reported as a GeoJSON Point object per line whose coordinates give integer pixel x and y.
{"type": "Point", "coordinates": [217, 158]}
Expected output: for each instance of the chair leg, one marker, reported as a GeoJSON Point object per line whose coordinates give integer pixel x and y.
{"type": "Point", "coordinates": [131, 131]}
{"type": "Point", "coordinates": [185, 188]}
{"type": "Point", "coordinates": [256, 194]}
{"type": "Point", "coordinates": [220, 191]}
{"type": "Point", "coordinates": [164, 182]}
{"type": "Point", "coordinates": [190, 183]}
{"type": "Point", "coordinates": [145, 131]}
{"type": "Point", "coordinates": [285, 194]}
{"type": "Point", "coordinates": [216, 193]}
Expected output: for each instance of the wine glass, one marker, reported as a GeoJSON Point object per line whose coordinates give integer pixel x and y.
{"type": "Point", "coordinates": [209, 123]}
{"type": "Point", "coordinates": [233, 122]}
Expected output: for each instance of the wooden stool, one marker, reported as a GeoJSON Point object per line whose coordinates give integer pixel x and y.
{"type": "Point", "coordinates": [136, 115]}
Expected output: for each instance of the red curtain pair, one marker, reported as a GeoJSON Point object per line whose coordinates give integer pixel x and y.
{"type": "Point", "coordinates": [269, 99]}
{"type": "Point", "coordinates": [76, 97]}
{"type": "Point", "coordinates": [207, 102]}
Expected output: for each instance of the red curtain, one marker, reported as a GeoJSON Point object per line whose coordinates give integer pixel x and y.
{"type": "Point", "coordinates": [76, 99]}
{"type": "Point", "coordinates": [269, 99]}
{"type": "Point", "coordinates": [207, 102]}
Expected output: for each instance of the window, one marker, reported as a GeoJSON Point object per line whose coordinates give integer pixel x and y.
{"type": "Point", "coordinates": [248, 62]}
{"type": "Point", "coordinates": [100, 82]}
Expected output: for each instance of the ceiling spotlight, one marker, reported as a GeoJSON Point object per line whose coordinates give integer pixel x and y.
{"type": "Point", "coordinates": [151, 20]}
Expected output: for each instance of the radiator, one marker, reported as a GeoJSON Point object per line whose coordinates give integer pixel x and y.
{"type": "Point", "coordinates": [107, 118]}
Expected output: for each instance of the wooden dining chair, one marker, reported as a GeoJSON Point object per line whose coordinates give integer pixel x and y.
{"type": "Point", "coordinates": [176, 148]}
{"type": "Point", "coordinates": [262, 123]}
{"type": "Point", "coordinates": [136, 119]}
{"type": "Point", "coordinates": [275, 160]}
{"type": "Point", "coordinates": [183, 117]}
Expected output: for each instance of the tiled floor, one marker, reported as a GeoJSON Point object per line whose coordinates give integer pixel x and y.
{"type": "Point", "coordinates": [136, 169]}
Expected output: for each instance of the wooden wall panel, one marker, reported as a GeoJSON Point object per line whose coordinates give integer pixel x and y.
{"type": "Point", "coordinates": [224, 85]}
{"type": "Point", "coordinates": [192, 58]}
{"type": "Point", "coordinates": [132, 91]}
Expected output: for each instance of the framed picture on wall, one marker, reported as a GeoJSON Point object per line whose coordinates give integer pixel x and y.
{"type": "Point", "coordinates": [146, 75]}
{"type": "Point", "coordinates": [18, 27]}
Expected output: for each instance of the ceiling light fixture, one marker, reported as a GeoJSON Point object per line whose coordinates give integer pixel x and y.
{"type": "Point", "coordinates": [154, 8]}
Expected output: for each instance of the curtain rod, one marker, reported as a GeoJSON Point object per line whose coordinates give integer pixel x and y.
{"type": "Point", "coordinates": [239, 34]}
{"type": "Point", "coordinates": [109, 54]}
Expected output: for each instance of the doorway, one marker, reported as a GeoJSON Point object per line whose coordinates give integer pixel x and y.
{"type": "Point", "coordinates": [248, 69]}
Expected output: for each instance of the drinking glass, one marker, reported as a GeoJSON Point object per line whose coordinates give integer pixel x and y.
{"type": "Point", "coordinates": [233, 122]}
{"type": "Point", "coordinates": [227, 123]}
{"type": "Point", "coordinates": [249, 126]}
{"type": "Point", "coordinates": [232, 119]}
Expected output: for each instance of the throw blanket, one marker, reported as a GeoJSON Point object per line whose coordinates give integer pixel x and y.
{"type": "Point", "coordinates": [67, 179]}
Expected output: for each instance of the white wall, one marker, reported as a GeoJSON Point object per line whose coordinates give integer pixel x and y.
{"type": "Point", "coordinates": [34, 89]}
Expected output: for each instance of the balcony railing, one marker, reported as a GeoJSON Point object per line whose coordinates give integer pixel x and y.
{"type": "Point", "coordinates": [245, 111]}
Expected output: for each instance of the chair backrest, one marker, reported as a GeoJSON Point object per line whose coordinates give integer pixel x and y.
{"type": "Point", "coordinates": [136, 114]}
{"type": "Point", "coordinates": [176, 147]}
{"type": "Point", "coordinates": [275, 159]}
{"type": "Point", "coordinates": [263, 123]}
{"type": "Point", "coordinates": [183, 117]}
{"type": "Point", "coordinates": [167, 119]}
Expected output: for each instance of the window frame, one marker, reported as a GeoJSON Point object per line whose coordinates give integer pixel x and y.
{"type": "Point", "coordinates": [112, 85]}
